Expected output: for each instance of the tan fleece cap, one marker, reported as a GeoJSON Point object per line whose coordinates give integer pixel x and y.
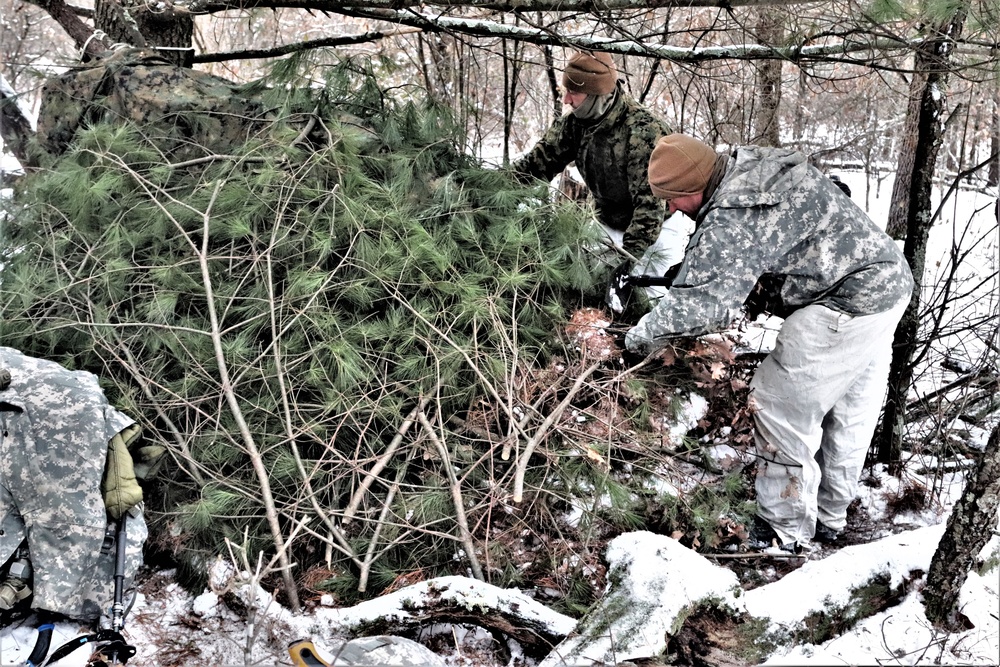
{"type": "Point", "coordinates": [591, 74]}
{"type": "Point", "coordinates": [679, 166]}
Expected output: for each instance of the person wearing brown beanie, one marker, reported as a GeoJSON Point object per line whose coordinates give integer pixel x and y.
{"type": "Point", "coordinates": [609, 136]}
{"type": "Point", "coordinates": [766, 215]}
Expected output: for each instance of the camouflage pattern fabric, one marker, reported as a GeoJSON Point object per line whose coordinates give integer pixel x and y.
{"type": "Point", "coordinates": [55, 425]}
{"type": "Point", "coordinates": [612, 154]}
{"type": "Point", "coordinates": [189, 113]}
{"type": "Point", "coordinates": [774, 213]}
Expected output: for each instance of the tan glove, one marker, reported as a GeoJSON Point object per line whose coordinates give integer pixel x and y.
{"type": "Point", "coordinates": [120, 488]}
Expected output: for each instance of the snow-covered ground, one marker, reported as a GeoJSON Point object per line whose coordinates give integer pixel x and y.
{"type": "Point", "coordinates": [170, 626]}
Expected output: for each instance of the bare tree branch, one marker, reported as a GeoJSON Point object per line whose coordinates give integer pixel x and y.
{"type": "Point", "coordinates": [585, 6]}
{"type": "Point", "coordinates": [861, 49]}
{"type": "Point", "coordinates": [342, 40]}
{"type": "Point", "coordinates": [82, 34]}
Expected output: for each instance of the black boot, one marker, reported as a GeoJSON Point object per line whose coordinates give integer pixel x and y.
{"type": "Point", "coordinates": [825, 534]}
{"type": "Point", "coordinates": [763, 537]}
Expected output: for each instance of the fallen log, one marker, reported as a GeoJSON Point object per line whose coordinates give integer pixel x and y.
{"type": "Point", "coordinates": [456, 600]}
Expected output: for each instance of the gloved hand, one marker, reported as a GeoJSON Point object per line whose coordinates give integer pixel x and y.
{"type": "Point", "coordinates": [619, 293]}
{"type": "Point", "coordinates": [765, 297]}
{"type": "Point", "coordinates": [628, 358]}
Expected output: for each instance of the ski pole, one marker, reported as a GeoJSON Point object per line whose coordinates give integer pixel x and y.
{"type": "Point", "coordinates": [118, 607]}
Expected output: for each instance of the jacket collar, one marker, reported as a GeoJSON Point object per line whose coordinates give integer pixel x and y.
{"type": "Point", "coordinates": [611, 116]}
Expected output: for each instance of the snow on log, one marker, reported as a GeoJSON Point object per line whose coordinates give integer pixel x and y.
{"type": "Point", "coordinates": [458, 600]}
{"type": "Point", "coordinates": [654, 583]}
{"type": "Point", "coordinates": [832, 587]}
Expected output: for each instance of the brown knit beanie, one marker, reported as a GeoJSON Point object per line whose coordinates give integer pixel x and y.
{"type": "Point", "coordinates": [591, 74]}
{"type": "Point", "coordinates": [679, 166]}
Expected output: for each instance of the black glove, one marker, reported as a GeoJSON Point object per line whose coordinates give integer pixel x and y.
{"type": "Point", "coordinates": [844, 187]}
{"type": "Point", "coordinates": [765, 297]}
{"type": "Point", "coordinates": [619, 293]}
{"type": "Point", "coordinates": [628, 357]}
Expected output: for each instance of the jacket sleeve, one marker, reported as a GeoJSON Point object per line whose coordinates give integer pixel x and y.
{"type": "Point", "coordinates": [649, 211]}
{"type": "Point", "coordinates": [720, 268]}
{"type": "Point", "coordinates": [553, 152]}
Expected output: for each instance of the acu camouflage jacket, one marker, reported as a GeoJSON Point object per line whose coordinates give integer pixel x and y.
{"type": "Point", "coordinates": [774, 213]}
{"type": "Point", "coordinates": [612, 154]}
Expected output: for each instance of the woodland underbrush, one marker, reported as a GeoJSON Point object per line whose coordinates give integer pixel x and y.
{"type": "Point", "coordinates": [369, 359]}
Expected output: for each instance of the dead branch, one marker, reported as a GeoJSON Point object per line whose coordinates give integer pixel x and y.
{"type": "Point", "coordinates": [383, 461]}
{"type": "Point", "coordinates": [88, 41]}
{"type": "Point", "coordinates": [286, 49]}
{"type": "Point", "coordinates": [529, 448]}
{"type": "Point", "coordinates": [456, 496]}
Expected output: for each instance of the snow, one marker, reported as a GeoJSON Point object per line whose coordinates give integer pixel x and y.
{"type": "Point", "coordinates": [692, 409]}
{"type": "Point", "coordinates": [829, 582]}
{"type": "Point", "coordinates": [902, 635]}
{"type": "Point", "coordinates": [899, 635]}
{"type": "Point", "coordinates": [468, 592]}
{"type": "Point", "coordinates": [654, 578]}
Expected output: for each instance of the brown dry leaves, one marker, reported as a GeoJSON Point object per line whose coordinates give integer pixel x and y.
{"type": "Point", "coordinates": [588, 332]}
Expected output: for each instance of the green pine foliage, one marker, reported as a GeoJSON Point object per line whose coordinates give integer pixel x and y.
{"type": "Point", "coordinates": [335, 281]}
{"type": "Point", "coordinates": [346, 292]}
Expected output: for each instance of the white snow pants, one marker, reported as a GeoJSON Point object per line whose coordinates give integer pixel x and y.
{"type": "Point", "coordinates": [818, 396]}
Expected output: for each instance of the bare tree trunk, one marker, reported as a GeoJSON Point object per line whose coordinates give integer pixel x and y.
{"type": "Point", "coordinates": [770, 31]}
{"type": "Point", "coordinates": [799, 121]}
{"type": "Point", "coordinates": [15, 128]}
{"type": "Point", "coordinates": [550, 75]}
{"type": "Point", "coordinates": [166, 28]}
{"type": "Point", "coordinates": [896, 225]}
{"type": "Point", "coordinates": [993, 176]}
{"type": "Point", "coordinates": [970, 527]}
{"type": "Point", "coordinates": [915, 195]}
{"type": "Point", "coordinates": [511, 70]}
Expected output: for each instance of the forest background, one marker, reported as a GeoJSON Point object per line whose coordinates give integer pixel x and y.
{"type": "Point", "coordinates": [907, 90]}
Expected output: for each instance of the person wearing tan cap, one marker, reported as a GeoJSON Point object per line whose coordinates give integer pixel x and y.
{"type": "Point", "coordinates": [609, 136]}
{"type": "Point", "coordinates": [842, 286]}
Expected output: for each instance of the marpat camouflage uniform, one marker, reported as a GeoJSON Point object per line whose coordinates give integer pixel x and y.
{"type": "Point", "coordinates": [774, 213]}
{"type": "Point", "coordinates": [612, 154]}
{"type": "Point", "coordinates": [188, 113]}
{"type": "Point", "coordinates": [55, 425]}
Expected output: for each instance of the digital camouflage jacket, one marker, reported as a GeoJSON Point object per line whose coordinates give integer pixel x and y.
{"type": "Point", "coordinates": [612, 154]}
{"type": "Point", "coordinates": [774, 213]}
{"type": "Point", "coordinates": [55, 425]}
